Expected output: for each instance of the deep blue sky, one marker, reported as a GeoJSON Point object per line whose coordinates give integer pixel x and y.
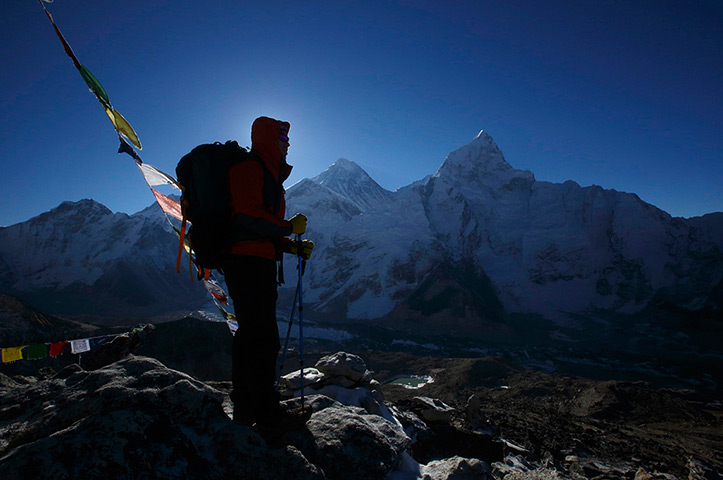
{"type": "Point", "coordinates": [622, 94]}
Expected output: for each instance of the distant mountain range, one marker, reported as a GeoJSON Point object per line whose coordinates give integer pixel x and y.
{"type": "Point", "coordinates": [479, 239]}
{"type": "Point", "coordinates": [81, 259]}
{"type": "Point", "coordinates": [459, 250]}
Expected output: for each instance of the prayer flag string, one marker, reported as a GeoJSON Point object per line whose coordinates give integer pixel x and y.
{"type": "Point", "coordinates": [153, 177]}
{"type": "Point", "coordinates": [38, 351]}
{"type": "Point", "coordinates": [120, 124]}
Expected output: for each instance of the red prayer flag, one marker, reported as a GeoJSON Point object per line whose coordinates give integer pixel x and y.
{"type": "Point", "coordinates": [66, 46]}
{"type": "Point", "coordinates": [168, 205]}
{"type": "Point", "coordinates": [56, 349]}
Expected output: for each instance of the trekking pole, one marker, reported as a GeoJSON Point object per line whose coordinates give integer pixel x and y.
{"type": "Point", "coordinates": [286, 342]}
{"type": "Point", "coordinates": [301, 267]}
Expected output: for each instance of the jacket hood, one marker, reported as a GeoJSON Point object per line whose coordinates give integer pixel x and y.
{"type": "Point", "coordinates": [265, 132]}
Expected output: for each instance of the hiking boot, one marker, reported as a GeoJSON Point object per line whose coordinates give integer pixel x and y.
{"type": "Point", "coordinates": [283, 421]}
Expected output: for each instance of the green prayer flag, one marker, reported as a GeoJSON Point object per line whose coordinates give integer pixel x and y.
{"type": "Point", "coordinates": [95, 87]}
{"type": "Point", "coordinates": [186, 239]}
{"type": "Point", "coordinates": [37, 351]}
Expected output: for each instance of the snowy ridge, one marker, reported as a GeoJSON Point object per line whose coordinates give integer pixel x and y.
{"type": "Point", "coordinates": [485, 235]}
{"type": "Point", "coordinates": [81, 258]}
{"type": "Point", "coordinates": [457, 250]}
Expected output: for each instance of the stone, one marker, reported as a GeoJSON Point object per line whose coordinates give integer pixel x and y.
{"type": "Point", "coordinates": [476, 418]}
{"type": "Point", "coordinates": [348, 443]}
{"type": "Point", "coordinates": [357, 397]}
{"type": "Point", "coordinates": [433, 410]}
{"type": "Point", "coordinates": [701, 470]}
{"type": "Point", "coordinates": [457, 468]}
{"type": "Point", "coordinates": [346, 365]}
{"type": "Point", "coordinates": [292, 381]}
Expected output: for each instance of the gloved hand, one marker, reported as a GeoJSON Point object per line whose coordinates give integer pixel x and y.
{"type": "Point", "coordinates": [298, 224]}
{"type": "Point", "coordinates": [307, 246]}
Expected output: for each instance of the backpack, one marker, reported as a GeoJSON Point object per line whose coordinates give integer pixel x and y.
{"type": "Point", "coordinates": [206, 201]}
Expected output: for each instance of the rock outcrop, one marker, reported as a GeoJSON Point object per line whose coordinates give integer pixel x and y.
{"type": "Point", "coordinates": [132, 419]}
{"type": "Point", "coordinates": [136, 418]}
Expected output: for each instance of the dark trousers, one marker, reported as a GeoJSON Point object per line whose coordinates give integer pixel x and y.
{"type": "Point", "coordinates": [251, 283]}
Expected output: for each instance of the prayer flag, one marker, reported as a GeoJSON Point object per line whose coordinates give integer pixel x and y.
{"type": "Point", "coordinates": [122, 126]}
{"type": "Point", "coordinates": [66, 46]}
{"type": "Point", "coordinates": [125, 148]}
{"type": "Point", "coordinates": [94, 342]}
{"type": "Point", "coordinates": [95, 87]}
{"type": "Point", "coordinates": [229, 317]}
{"type": "Point", "coordinates": [170, 206]}
{"type": "Point", "coordinates": [12, 354]}
{"type": "Point", "coordinates": [56, 349]}
{"type": "Point", "coordinates": [216, 291]}
{"type": "Point", "coordinates": [186, 240]}
{"type": "Point", "coordinates": [156, 177]}
{"type": "Point", "coordinates": [37, 351]}
{"type": "Point", "coordinates": [232, 325]}
{"type": "Point", "coordinates": [79, 346]}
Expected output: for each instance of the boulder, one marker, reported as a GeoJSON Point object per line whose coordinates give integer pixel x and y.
{"type": "Point", "coordinates": [457, 468]}
{"type": "Point", "coordinates": [433, 410]}
{"type": "Point", "coordinates": [346, 366]}
{"type": "Point", "coordinates": [357, 397]}
{"type": "Point", "coordinates": [132, 419]}
{"type": "Point", "coordinates": [292, 381]}
{"type": "Point", "coordinates": [348, 443]}
{"type": "Point", "coordinates": [413, 426]}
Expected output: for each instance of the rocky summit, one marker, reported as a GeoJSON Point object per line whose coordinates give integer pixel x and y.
{"type": "Point", "coordinates": [467, 419]}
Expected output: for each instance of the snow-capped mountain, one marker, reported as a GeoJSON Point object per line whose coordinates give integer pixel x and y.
{"type": "Point", "coordinates": [349, 181]}
{"type": "Point", "coordinates": [458, 250]}
{"type": "Point", "coordinates": [81, 258]}
{"type": "Point", "coordinates": [479, 238]}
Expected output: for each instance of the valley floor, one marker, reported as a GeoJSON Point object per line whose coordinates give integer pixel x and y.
{"type": "Point", "coordinates": [552, 418]}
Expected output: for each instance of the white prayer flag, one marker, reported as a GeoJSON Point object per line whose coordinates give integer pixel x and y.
{"type": "Point", "coordinates": [80, 346]}
{"type": "Point", "coordinates": [233, 326]}
{"type": "Point", "coordinates": [156, 177]}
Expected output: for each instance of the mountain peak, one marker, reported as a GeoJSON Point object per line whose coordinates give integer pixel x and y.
{"type": "Point", "coordinates": [483, 137]}
{"type": "Point", "coordinates": [340, 170]}
{"type": "Point", "coordinates": [346, 164]}
{"type": "Point", "coordinates": [86, 207]}
{"type": "Point", "coordinates": [350, 181]}
{"type": "Point", "coordinates": [479, 158]}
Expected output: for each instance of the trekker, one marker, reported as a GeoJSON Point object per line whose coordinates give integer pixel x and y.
{"type": "Point", "coordinates": [257, 201]}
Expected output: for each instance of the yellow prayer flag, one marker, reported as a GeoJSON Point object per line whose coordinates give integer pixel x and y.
{"type": "Point", "coordinates": [122, 126]}
{"type": "Point", "coordinates": [12, 354]}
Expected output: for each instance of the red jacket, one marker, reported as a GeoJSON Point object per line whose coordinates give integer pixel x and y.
{"type": "Point", "coordinates": [252, 211]}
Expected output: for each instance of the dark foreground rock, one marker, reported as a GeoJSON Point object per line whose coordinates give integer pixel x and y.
{"type": "Point", "coordinates": [479, 419]}
{"type": "Point", "coordinates": [132, 419]}
{"type": "Point", "coordinates": [136, 418]}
